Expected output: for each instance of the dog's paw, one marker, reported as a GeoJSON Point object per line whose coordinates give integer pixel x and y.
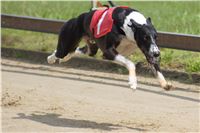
{"type": "Point", "coordinates": [168, 87]}
{"type": "Point", "coordinates": [66, 58]}
{"type": "Point", "coordinates": [78, 51]}
{"type": "Point", "coordinates": [132, 82]}
{"type": "Point", "coordinates": [133, 87]}
{"type": "Point", "coordinates": [51, 59]}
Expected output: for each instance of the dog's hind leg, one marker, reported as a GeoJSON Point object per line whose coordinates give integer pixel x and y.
{"type": "Point", "coordinates": [87, 50]}
{"type": "Point", "coordinates": [66, 58]}
{"type": "Point", "coordinates": [90, 48]}
{"type": "Point", "coordinates": [51, 59]}
{"type": "Point", "coordinates": [69, 38]}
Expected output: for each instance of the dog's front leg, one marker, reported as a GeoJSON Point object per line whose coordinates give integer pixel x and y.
{"type": "Point", "coordinates": [131, 67]}
{"type": "Point", "coordinates": [164, 84]}
{"type": "Point", "coordinates": [112, 54]}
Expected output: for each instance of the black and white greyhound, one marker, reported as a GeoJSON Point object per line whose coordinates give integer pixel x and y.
{"type": "Point", "coordinates": [128, 23]}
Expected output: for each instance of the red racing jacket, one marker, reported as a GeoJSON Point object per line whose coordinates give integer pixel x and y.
{"type": "Point", "coordinates": [102, 22]}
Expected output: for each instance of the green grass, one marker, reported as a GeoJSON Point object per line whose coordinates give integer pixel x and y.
{"type": "Point", "coordinates": [181, 17]}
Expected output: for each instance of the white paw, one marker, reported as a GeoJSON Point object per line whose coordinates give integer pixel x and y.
{"type": "Point", "coordinates": [78, 51]}
{"type": "Point", "coordinates": [168, 86]}
{"type": "Point", "coordinates": [133, 87]}
{"type": "Point", "coordinates": [132, 82]}
{"type": "Point", "coordinates": [51, 59]}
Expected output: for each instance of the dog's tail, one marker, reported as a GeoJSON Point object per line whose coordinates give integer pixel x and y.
{"type": "Point", "coordinates": [70, 36]}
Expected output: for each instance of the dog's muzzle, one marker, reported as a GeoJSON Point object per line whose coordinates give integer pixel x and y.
{"type": "Point", "coordinates": [154, 51]}
{"type": "Point", "coordinates": [153, 56]}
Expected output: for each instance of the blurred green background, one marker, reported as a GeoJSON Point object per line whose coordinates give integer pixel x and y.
{"type": "Point", "coordinates": [171, 16]}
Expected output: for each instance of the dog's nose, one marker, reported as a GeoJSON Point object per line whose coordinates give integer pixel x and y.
{"type": "Point", "coordinates": [154, 51]}
{"type": "Point", "coordinates": [156, 54]}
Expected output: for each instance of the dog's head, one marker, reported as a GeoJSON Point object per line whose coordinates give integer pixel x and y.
{"type": "Point", "coordinates": [145, 36]}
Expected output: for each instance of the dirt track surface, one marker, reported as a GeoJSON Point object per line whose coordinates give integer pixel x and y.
{"type": "Point", "coordinates": [45, 98]}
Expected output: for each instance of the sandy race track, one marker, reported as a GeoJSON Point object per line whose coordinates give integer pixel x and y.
{"type": "Point", "coordinates": [52, 99]}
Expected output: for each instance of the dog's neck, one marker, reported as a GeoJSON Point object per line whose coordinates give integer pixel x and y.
{"type": "Point", "coordinates": [138, 18]}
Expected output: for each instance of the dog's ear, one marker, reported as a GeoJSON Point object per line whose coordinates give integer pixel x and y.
{"type": "Point", "coordinates": [135, 24]}
{"type": "Point", "coordinates": [130, 25]}
{"type": "Point", "coordinates": [149, 21]}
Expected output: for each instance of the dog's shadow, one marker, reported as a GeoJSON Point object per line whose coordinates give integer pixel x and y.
{"type": "Point", "coordinates": [55, 120]}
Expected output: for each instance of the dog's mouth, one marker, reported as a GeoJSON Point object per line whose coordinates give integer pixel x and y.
{"type": "Point", "coordinates": [153, 60]}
